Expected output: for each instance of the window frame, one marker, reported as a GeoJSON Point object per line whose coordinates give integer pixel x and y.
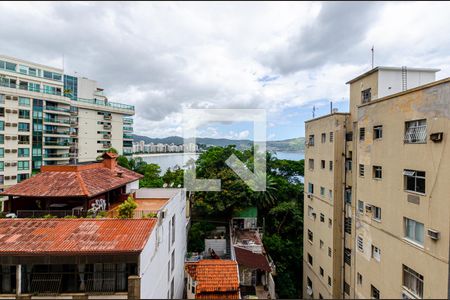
{"type": "Point", "coordinates": [416, 291]}
{"type": "Point", "coordinates": [377, 132]}
{"type": "Point", "coordinates": [377, 172]}
{"type": "Point", "coordinates": [413, 174]}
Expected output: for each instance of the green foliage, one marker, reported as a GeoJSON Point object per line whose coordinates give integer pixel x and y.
{"type": "Point", "coordinates": [123, 162]}
{"type": "Point", "coordinates": [174, 178]}
{"type": "Point", "coordinates": [197, 234]}
{"type": "Point", "coordinates": [112, 150]}
{"type": "Point", "coordinates": [102, 214]}
{"type": "Point", "coordinates": [150, 215]}
{"type": "Point", "coordinates": [151, 176]}
{"type": "Point", "coordinates": [70, 217]}
{"type": "Point", "coordinates": [126, 209]}
{"type": "Point", "coordinates": [49, 216]}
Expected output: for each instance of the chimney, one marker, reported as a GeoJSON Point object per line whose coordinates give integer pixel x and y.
{"type": "Point", "coordinates": [110, 160]}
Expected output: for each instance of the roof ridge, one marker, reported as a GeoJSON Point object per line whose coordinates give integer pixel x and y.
{"type": "Point", "coordinates": [82, 184]}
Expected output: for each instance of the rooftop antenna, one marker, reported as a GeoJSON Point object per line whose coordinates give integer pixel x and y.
{"type": "Point", "coordinates": [373, 55]}
{"type": "Point", "coordinates": [331, 107]}
{"type": "Point", "coordinates": [314, 111]}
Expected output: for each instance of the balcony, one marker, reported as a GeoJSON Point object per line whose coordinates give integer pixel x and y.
{"type": "Point", "coordinates": [55, 143]}
{"type": "Point", "coordinates": [57, 108]}
{"type": "Point", "coordinates": [56, 155]}
{"type": "Point", "coordinates": [128, 121]}
{"type": "Point", "coordinates": [104, 103]}
{"type": "Point", "coordinates": [106, 146]}
{"type": "Point", "coordinates": [107, 117]}
{"type": "Point", "coordinates": [57, 120]}
{"type": "Point", "coordinates": [107, 126]}
{"type": "Point", "coordinates": [107, 136]}
{"type": "Point", "coordinates": [74, 134]}
{"type": "Point", "coordinates": [56, 132]}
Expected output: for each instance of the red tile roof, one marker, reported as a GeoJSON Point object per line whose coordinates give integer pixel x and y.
{"type": "Point", "coordinates": [252, 260]}
{"type": "Point", "coordinates": [73, 181]}
{"type": "Point", "coordinates": [216, 278]}
{"type": "Point", "coordinates": [24, 237]}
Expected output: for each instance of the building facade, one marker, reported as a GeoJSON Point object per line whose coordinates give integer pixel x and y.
{"type": "Point", "coordinates": [393, 238]}
{"type": "Point", "coordinates": [44, 120]}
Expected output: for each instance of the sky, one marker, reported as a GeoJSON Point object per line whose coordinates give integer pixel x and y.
{"type": "Point", "coordinates": [282, 57]}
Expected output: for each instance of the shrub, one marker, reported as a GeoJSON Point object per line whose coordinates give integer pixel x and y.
{"type": "Point", "coordinates": [49, 216]}
{"type": "Point", "coordinates": [126, 209]}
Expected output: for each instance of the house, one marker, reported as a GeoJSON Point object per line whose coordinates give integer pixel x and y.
{"type": "Point", "coordinates": [62, 190]}
{"type": "Point", "coordinates": [212, 279]}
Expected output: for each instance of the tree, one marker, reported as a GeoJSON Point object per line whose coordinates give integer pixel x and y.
{"type": "Point", "coordinates": [126, 209]}
{"type": "Point", "coordinates": [174, 178]}
{"type": "Point", "coordinates": [152, 177]}
{"type": "Point", "coordinates": [123, 162]}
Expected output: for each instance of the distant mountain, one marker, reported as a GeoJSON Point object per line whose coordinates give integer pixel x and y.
{"type": "Point", "coordinates": [289, 145]}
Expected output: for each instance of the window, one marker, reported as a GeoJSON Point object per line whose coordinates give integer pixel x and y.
{"type": "Point", "coordinates": [376, 213]}
{"type": "Point", "coordinates": [331, 136]}
{"type": "Point", "coordinates": [310, 188]}
{"type": "Point", "coordinates": [359, 278]}
{"type": "Point", "coordinates": [321, 244]}
{"type": "Point", "coordinates": [349, 136]}
{"type": "Point", "coordinates": [2, 138]}
{"type": "Point", "coordinates": [348, 225]}
{"type": "Point", "coordinates": [330, 195]}
{"type": "Point", "coordinates": [322, 191]}
{"type": "Point", "coordinates": [320, 296]}
{"type": "Point", "coordinates": [360, 206]}
{"type": "Point", "coordinates": [414, 181]}
{"type": "Point", "coordinates": [322, 218]}
{"type": "Point", "coordinates": [348, 164]}
{"type": "Point", "coordinates": [331, 165]}
{"type": "Point", "coordinates": [324, 137]}
{"type": "Point", "coordinates": [310, 236]}
{"type": "Point", "coordinates": [2, 152]}
{"type": "Point", "coordinates": [311, 140]}
{"type": "Point", "coordinates": [310, 212]}
{"type": "Point", "coordinates": [414, 231]}
{"type": "Point", "coordinates": [361, 170]}
{"type": "Point", "coordinates": [23, 165]}
{"type": "Point", "coordinates": [377, 172]}
{"type": "Point", "coordinates": [416, 132]}
{"type": "Point", "coordinates": [413, 281]}
{"type": "Point", "coordinates": [311, 164]}
{"type": "Point", "coordinates": [360, 243]}
{"type": "Point", "coordinates": [329, 251]}
{"type": "Point", "coordinates": [346, 288]}
{"type": "Point", "coordinates": [329, 280]}
{"type": "Point", "coordinates": [376, 253]}
{"type": "Point", "coordinates": [310, 259]}
{"type": "Point", "coordinates": [23, 152]}
{"type": "Point", "coordinates": [22, 177]}
{"type": "Point", "coordinates": [366, 96]}
{"type": "Point", "coordinates": [374, 292]}
{"type": "Point", "coordinates": [172, 260]}
{"type": "Point", "coordinates": [348, 195]}
{"type": "Point", "coordinates": [322, 164]}
{"type": "Point", "coordinates": [25, 127]}
{"type": "Point", "coordinates": [173, 229]}
{"type": "Point", "coordinates": [24, 114]}
{"type": "Point", "coordinates": [24, 101]}
{"type": "Point", "coordinates": [2, 125]}
{"type": "Point", "coordinates": [10, 66]}
{"type": "Point", "coordinates": [34, 87]}
{"type": "Point", "coordinates": [348, 256]}
{"type": "Point", "coordinates": [321, 271]}
{"type": "Point", "coordinates": [2, 166]}
{"type": "Point", "coordinates": [362, 134]}
{"type": "Point", "coordinates": [377, 132]}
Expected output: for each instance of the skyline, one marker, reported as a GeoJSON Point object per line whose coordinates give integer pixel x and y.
{"type": "Point", "coordinates": [287, 57]}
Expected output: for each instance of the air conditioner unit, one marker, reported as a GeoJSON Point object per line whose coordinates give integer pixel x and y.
{"type": "Point", "coordinates": [7, 164]}
{"type": "Point", "coordinates": [368, 208]}
{"type": "Point", "coordinates": [7, 177]}
{"type": "Point", "coordinates": [314, 215]}
{"type": "Point", "coordinates": [7, 150]}
{"type": "Point", "coordinates": [309, 196]}
{"type": "Point", "coordinates": [7, 124]}
{"type": "Point", "coordinates": [437, 137]}
{"type": "Point", "coordinates": [14, 111]}
{"type": "Point", "coordinates": [14, 124]}
{"type": "Point", "coordinates": [15, 98]}
{"type": "Point", "coordinates": [13, 150]}
{"type": "Point", "coordinates": [13, 177]}
{"type": "Point", "coordinates": [8, 97]}
{"type": "Point", "coordinates": [14, 164]}
{"type": "Point", "coordinates": [8, 110]}
{"type": "Point", "coordinates": [14, 138]}
{"type": "Point", "coordinates": [433, 234]}
{"type": "Point", "coordinates": [7, 137]}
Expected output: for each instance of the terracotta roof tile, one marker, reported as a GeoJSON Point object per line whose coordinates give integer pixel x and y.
{"type": "Point", "coordinates": [252, 260]}
{"type": "Point", "coordinates": [23, 237]}
{"type": "Point", "coordinates": [216, 278]}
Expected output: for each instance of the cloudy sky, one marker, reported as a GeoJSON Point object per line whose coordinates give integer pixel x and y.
{"type": "Point", "coordinates": [283, 57]}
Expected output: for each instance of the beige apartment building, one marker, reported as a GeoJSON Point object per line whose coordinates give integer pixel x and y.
{"type": "Point", "coordinates": [44, 122]}
{"type": "Point", "coordinates": [390, 231]}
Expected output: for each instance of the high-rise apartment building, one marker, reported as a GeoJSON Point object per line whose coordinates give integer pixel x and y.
{"type": "Point", "coordinates": [376, 210]}
{"type": "Point", "coordinates": [45, 121]}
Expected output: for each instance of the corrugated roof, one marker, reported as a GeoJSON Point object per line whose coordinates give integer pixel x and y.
{"type": "Point", "coordinates": [216, 278]}
{"type": "Point", "coordinates": [252, 260]}
{"type": "Point", "coordinates": [73, 181]}
{"type": "Point", "coordinates": [24, 237]}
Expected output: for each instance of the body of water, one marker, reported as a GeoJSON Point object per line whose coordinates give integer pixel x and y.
{"type": "Point", "coordinates": [174, 160]}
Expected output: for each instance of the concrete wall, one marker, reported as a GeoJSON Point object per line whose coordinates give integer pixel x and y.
{"type": "Point", "coordinates": [155, 260]}
{"type": "Point", "coordinates": [390, 81]}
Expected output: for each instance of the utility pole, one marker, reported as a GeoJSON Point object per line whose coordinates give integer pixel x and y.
{"type": "Point", "coordinates": [373, 55]}
{"type": "Point", "coordinates": [314, 111]}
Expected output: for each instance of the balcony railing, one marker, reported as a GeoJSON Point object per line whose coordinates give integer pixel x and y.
{"type": "Point", "coordinates": [106, 126]}
{"type": "Point", "coordinates": [128, 136]}
{"type": "Point", "coordinates": [107, 103]}
{"type": "Point", "coordinates": [55, 108]}
{"type": "Point", "coordinates": [128, 128]}
{"type": "Point", "coordinates": [416, 134]}
{"type": "Point", "coordinates": [54, 120]}
{"type": "Point", "coordinates": [127, 121]}
{"type": "Point", "coordinates": [55, 155]}
{"type": "Point", "coordinates": [56, 132]}
{"type": "Point", "coordinates": [51, 143]}
{"type": "Point", "coordinates": [106, 146]}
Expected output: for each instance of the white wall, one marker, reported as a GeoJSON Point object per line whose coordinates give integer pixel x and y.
{"type": "Point", "coordinates": [154, 259]}
{"type": "Point", "coordinates": [390, 81]}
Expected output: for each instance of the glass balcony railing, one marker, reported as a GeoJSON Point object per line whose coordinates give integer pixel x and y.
{"type": "Point", "coordinates": [56, 155]}
{"type": "Point", "coordinates": [56, 108]}
{"type": "Point", "coordinates": [127, 121]}
{"type": "Point", "coordinates": [101, 102]}
{"type": "Point", "coordinates": [127, 136]}
{"type": "Point", "coordinates": [127, 128]}
{"type": "Point", "coordinates": [36, 89]}
{"type": "Point", "coordinates": [54, 120]}
{"type": "Point", "coordinates": [56, 132]}
{"type": "Point", "coordinates": [56, 143]}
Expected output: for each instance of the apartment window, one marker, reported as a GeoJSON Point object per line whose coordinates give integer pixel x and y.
{"type": "Point", "coordinates": [323, 138]}
{"type": "Point", "coordinates": [322, 191]}
{"type": "Point", "coordinates": [348, 256]}
{"type": "Point", "coordinates": [330, 195]}
{"type": "Point", "coordinates": [309, 282]}
{"type": "Point", "coordinates": [321, 271]}
{"type": "Point", "coordinates": [173, 229]}
{"type": "Point", "coordinates": [311, 164]}
{"type": "Point", "coordinates": [362, 134]}
{"type": "Point", "coordinates": [310, 236]}
{"type": "Point", "coordinates": [329, 251]}
{"type": "Point", "coordinates": [2, 138]}
{"type": "Point", "coordinates": [348, 164]}
{"type": "Point", "coordinates": [331, 165]}
{"type": "Point", "coordinates": [413, 281]}
{"type": "Point", "coordinates": [22, 177]}
{"type": "Point", "coordinates": [348, 225]}
{"type": "Point", "coordinates": [348, 195]}
{"type": "Point", "coordinates": [2, 166]}
{"type": "Point", "coordinates": [23, 152]}
{"type": "Point", "coordinates": [23, 165]}
{"type": "Point", "coordinates": [2, 125]}
{"type": "Point", "coordinates": [360, 243]}
{"type": "Point", "coordinates": [24, 127]}
{"type": "Point", "coordinates": [311, 140]}
{"type": "Point", "coordinates": [377, 132]}
{"type": "Point", "coordinates": [34, 87]}
{"type": "Point", "coordinates": [2, 152]}
{"type": "Point", "coordinates": [361, 170]}
{"type": "Point", "coordinates": [377, 172]}
{"type": "Point", "coordinates": [331, 136]}
{"type": "Point", "coordinates": [359, 278]}
{"type": "Point", "coordinates": [346, 288]}
{"type": "Point", "coordinates": [310, 188]}
{"type": "Point", "coordinates": [416, 132]}
{"type": "Point", "coordinates": [376, 253]}
{"type": "Point", "coordinates": [321, 244]}
{"type": "Point", "coordinates": [414, 231]}
{"type": "Point", "coordinates": [24, 101]}
{"type": "Point", "coordinates": [349, 136]}
{"type": "Point", "coordinates": [366, 96]}
{"type": "Point", "coordinates": [329, 281]}
{"type": "Point", "coordinates": [2, 179]}
{"type": "Point", "coordinates": [376, 213]}
{"type": "Point", "coordinates": [414, 181]}
{"type": "Point", "coordinates": [310, 211]}
{"type": "Point", "coordinates": [24, 114]}
{"type": "Point", "coordinates": [374, 292]}
{"type": "Point", "coordinates": [310, 259]}
{"type": "Point", "coordinates": [322, 164]}
{"type": "Point", "coordinates": [360, 206]}
{"type": "Point", "coordinates": [322, 218]}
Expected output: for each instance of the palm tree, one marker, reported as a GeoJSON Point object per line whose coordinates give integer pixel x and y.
{"type": "Point", "coordinates": [266, 199]}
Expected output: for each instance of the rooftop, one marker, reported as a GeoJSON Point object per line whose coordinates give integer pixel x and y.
{"type": "Point", "coordinates": [381, 68]}
{"type": "Point", "coordinates": [24, 237]}
{"type": "Point", "coordinates": [216, 278]}
{"type": "Point", "coordinates": [86, 180]}
{"type": "Point", "coordinates": [251, 259]}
